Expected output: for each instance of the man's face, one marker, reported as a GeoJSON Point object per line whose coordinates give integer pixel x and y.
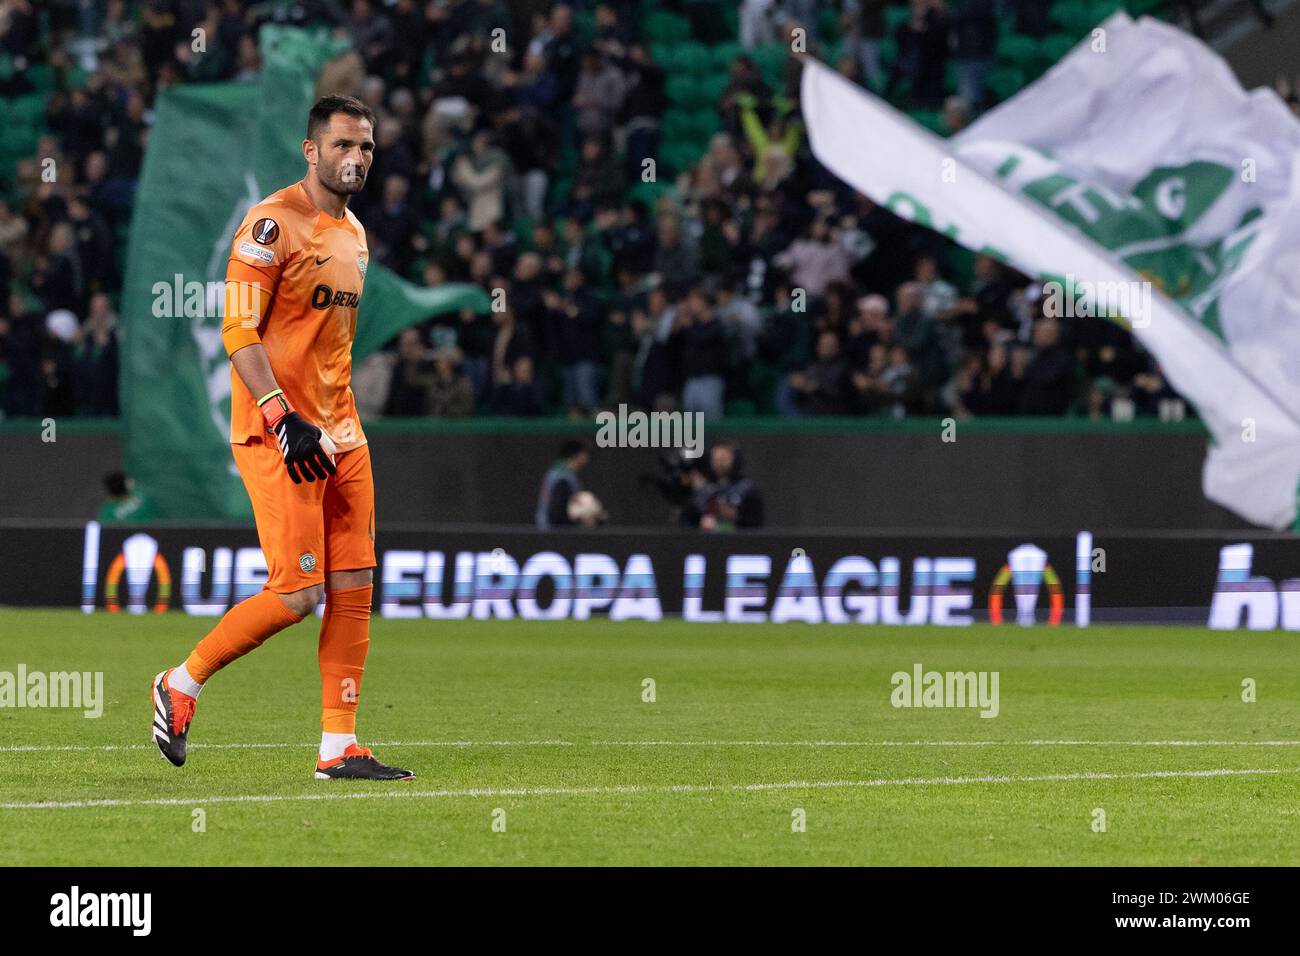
{"type": "Point", "coordinates": [722, 458]}
{"type": "Point", "coordinates": [342, 154]}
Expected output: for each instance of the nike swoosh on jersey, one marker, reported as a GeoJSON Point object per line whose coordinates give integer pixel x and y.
{"type": "Point", "coordinates": [321, 262]}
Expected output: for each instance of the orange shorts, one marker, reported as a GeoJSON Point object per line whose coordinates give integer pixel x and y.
{"type": "Point", "coordinates": [309, 529]}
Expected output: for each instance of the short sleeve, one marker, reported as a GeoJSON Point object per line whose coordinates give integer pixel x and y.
{"type": "Point", "coordinates": [262, 241]}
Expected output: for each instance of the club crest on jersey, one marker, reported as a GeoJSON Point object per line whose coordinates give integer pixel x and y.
{"type": "Point", "coordinates": [307, 562]}
{"type": "Point", "coordinates": [266, 231]}
{"type": "Point", "coordinates": [361, 264]}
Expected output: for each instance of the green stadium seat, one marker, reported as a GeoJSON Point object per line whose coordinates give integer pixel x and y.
{"type": "Point", "coordinates": [888, 52]}
{"type": "Point", "coordinates": [679, 157]}
{"type": "Point", "coordinates": [771, 59]}
{"type": "Point", "coordinates": [731, 16]}
{"type": "Point", "coordinates": [1054, 46]}
{"type": "Point", "coordinates": [584, 25]}
{"type": "Point", "coordinates": [1020, 51]}
{"type": "Point", "coordinates": [41, 76]}
{"type": "Point", "coordinates": [931, 120]}
{"type": "Point", "coordinates": [683, 91]}
{"type": "Point", "coordinates": [662, 27]}
{"type": "Point", "coordinates": [693, 58]}
{"type": "Point", "coordinates": [896, 16]}
{"type": "Point", "coordinates": [725, 54]}
{"type": "Point", "coordinates": [678, 125]}
{"type": "Point", "coordinates": [704, 123]}
{"type": "Point", "coordinates": [828, 25]}
{"type": "Point", "coordinates": [28, 109]}
{"type": "Point", "coordinates": [1073, 16]}
{"type": "Point", "coordinates": [712, 87]}
{"type": "Point", "coordinates": [1006, 81]}
{"type": "Point", "coordinates": [649, 193]}
{"type": "Point", "coordinates": [1101, 9]}
{"type": "Point", "coordinates": [20, 142]}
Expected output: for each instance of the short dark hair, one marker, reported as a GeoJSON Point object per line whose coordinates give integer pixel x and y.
{"type": "Point", "coordinates": [572, 448]}
{"type": "Point", "coordinates": [327, 106]}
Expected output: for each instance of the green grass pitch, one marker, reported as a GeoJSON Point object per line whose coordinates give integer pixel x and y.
{"type": "Point", "coordinates": [545, 722]}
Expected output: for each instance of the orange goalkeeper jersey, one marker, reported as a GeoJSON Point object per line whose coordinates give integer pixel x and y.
{"type": "Point", "coordinates": [293, 283]}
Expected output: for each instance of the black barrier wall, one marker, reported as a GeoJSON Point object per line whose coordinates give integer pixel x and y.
{"type": "Point", "coordinates": [1033, 477]}
{"type": "Point", "coordinates": [455, 575]}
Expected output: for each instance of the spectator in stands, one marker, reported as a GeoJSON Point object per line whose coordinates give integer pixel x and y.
{"type": "Point", "coordinates": [701, 340]}
{"type": "Point", "coordinates": [863, 22]}
{"type": "Point", "coordinates": [918, 336]}
{"type": "Point", "coordinates": [520, 395]}
{"type": "Point", "coordinates": [598, 96]}
{"type": "Point", "coordinates": [94, 360]}
{"type": "Point", "coordinates": [994, 389]}
{"type": "Point", "coordinates": [413, 377]}
{"type": "Point", "coordinates": [975, 43]}
{"type": "Point", "coordinates": [450, 393]}
{"type": "Point", "coordinates": [1031, 17]}
{"type": "Point", "coordinates": [1049, 376]}
{"type": "Point", "coordinates": [58, 279]}
{"type": "Point", "coordinates": [816, 260]}
{"type": "Point", "coordinates": [821, 388]}
{"type": "Point", "coordinates": [20, 350]}
{"type": "Point", "coordinates": [922, 56]}
{"type": "Point", "coordinates": [578, 317]}
{"type": "Point", "coordinates": [481, 176]}
{"type": "Point", "coordinates": [524, 170]}
{"type": "Point", "coordinates": [956, 115]}
{"type": "Point", "coordinates": [643, 107]}
{"type": "Point", "coordinates": [756, 23]}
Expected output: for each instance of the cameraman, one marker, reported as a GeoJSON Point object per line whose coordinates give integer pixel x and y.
{"type": "Point", "coordinates": [725, 499]}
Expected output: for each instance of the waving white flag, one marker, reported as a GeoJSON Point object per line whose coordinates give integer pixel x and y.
{"type": "Point", "coordinates": [1137, 161]}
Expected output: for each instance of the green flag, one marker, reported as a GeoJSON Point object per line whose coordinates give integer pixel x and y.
{"type": "Point", "coordinates": [214, 152]}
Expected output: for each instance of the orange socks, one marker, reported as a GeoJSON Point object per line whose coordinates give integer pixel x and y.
{"type": "Point", "coordinates": [243, 628]}
{"type": "Point", "coordinates": [344, 640]}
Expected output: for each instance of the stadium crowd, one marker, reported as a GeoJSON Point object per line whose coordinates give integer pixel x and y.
{"type": "Point", "coordinates": [737, 277]}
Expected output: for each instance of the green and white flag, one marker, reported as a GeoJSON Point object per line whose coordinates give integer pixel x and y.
{"type": "Point", "coordinates": [214, 151]}
{"type": "Point", "coordinates": [1138, 177]}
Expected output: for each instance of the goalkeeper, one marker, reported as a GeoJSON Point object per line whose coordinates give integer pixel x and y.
{"type": "Point", "coordinates": [293, 283]}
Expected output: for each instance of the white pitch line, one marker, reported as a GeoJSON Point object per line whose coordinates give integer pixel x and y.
{"type": "Point", "coordinates": [465, 744]}
{"type": "Point", "coordinates": [945, 743]}
{"type": "Point", "coordinates": [459, 744]}
{"type": "Point", "coordinates": [633, 789]}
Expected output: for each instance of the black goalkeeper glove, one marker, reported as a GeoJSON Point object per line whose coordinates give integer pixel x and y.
{"type": "Point", "coordinates": [300, 441]}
